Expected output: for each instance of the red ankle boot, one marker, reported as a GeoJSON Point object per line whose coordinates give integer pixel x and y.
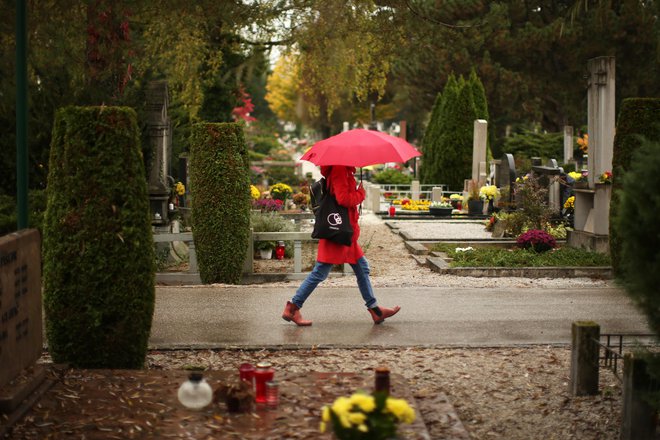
{"type": "Point", "coordinates": [380, 313]}
{"type": "Point", "coordinates": [292, 313]}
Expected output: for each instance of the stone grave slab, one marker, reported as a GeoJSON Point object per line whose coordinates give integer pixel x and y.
{"type": "Point", "coordinates": [143, 404]}
{"type": "Point", "coordinates": [21, 335]}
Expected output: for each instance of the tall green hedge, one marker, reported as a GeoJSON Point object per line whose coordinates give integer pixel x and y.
{"type": "Point", "coordinates": [98, 248]}
{"type": "Point", "coordinates": [639, 119]}
{"type": "Point", "coordinates": [637, 229]}
{"type": "Point", "coordinates": [220, 187]}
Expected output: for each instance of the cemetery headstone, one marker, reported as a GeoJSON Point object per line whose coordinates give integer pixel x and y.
{"type": "Point", "coordinates": [568, 143]}
{"type": "Point", "coordinates": [601, 116]}
{"type": "Point", "coordinates": [506, 175]}
{"type": "Point", "coordinates": [160, 141]}
{"type": "Point", "coordinates": [479, 151]}
{"type": "Point", "coordinates": [21, 334]}
{"type": "Point", "coordinates": [592, 205]}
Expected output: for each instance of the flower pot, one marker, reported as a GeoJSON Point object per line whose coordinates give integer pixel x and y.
{"type": "Point", "coordinates": [475, 207]}
{"type": "Point", "coordinates": [440, 212]}
{"type": "Point", "coordinates": [266, 254]}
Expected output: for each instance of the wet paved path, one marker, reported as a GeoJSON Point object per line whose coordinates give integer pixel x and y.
{"type": "Point", "coordinates": [248, 316]}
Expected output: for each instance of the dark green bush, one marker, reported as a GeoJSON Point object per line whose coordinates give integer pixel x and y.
{"type": "Point", "coordinates": [392, 177]}
{"type": "Point", "coordinates": [639, 242]}
{"type": "Point", "coordinates": [498, 257]}
{"type": "Point", "coordinates": [220, 188]}
{"type": "Point", "coordinates": [36, 207]}
{"type": "Point", "coordinates": [639, 119]}
{"type": "Point", "coordinates": [637, 230]}
{"type": "Point", "coordinates": [262, 144]}
{"type": "Point", "coordinates": [98, 249]}
{"type": "Point", "coordinates": [530, 144]}
{"type": "Point", "coordinates": [284, 174]}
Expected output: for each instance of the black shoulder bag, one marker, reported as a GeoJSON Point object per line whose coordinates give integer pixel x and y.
{"type": "Point", "coordinates": [331, 219]}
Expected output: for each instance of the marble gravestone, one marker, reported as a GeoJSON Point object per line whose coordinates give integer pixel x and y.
{"type": "Point", "coordinates": [21, 334]}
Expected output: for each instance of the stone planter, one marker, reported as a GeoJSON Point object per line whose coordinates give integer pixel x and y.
{"type": "Point", "coordinates": [440, 212]}
{"type": "Point", "coordinates": [266, 254]}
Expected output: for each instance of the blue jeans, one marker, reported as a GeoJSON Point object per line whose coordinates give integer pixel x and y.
{"type": "Point", "coordinates": [321, 272]}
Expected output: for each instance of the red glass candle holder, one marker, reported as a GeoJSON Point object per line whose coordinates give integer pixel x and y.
{"type": "Point", "coordinates": [279, 250]}
{"type": "Point", "coordinates": [392, 210]}
{"type": "Point", "coordinates": [264, 373]}
{"type": "Point", "coordinates": [246, 373]}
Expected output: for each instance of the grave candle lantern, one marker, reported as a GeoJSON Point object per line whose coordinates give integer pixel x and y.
{"type": "Point", "coordinates": [279, 250]}
{"type": "Point", "coordinates": [264, 373]}
{"type": "Point", "coordinates": [195, 393]}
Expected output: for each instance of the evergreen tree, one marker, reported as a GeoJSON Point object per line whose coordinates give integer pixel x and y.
{"type": "Point", "coordinates": [454, 162]}
{"type": "Point", "coordinates": [427, 142]}
{"type": "Point", "coordinates": [431, 142]}
{"type": "Point", "coordinates": [478, 95]}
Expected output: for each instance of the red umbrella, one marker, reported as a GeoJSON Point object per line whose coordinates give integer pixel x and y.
{"type": "Point", "coordinates": [359, 148]}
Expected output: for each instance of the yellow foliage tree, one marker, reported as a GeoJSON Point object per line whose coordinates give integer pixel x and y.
{"type": "Point", "coordinates": [282, 88]}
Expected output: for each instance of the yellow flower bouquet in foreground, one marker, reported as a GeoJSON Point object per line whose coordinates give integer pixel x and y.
{"type": "Point", "coordinates": [363, 416]}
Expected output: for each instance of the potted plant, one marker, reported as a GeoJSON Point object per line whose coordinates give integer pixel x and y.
{"type": "Point", "coordinates": [475, 204]}
{"type": "Point", "coordinates": [265, 249]}
{"type": "Point", "coordinates": [456, 201]}
{"type": "Point", "coordinates": [363, 416]}
{"type": "Point", "coordinates": [440, 209]}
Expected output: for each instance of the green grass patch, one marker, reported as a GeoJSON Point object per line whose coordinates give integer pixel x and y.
{"type": "Point", "coordinates": [516, 257]}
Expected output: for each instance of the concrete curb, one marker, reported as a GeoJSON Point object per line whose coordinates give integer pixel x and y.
{"type": "Point", "coordinates": [439, 265]}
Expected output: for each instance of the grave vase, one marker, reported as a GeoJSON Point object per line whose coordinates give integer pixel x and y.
{"type": "Point", "coordinates": [475, 207]}
{"type": "Point", "coordinates": [491, 206]}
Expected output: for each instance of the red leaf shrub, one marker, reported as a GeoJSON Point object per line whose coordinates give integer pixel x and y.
{"type": "Point", "coordinates": [536, 239]}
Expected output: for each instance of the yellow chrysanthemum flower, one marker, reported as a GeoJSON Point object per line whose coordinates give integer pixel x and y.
{"type": "Point", "coordinates": [357, 418]}
{"type": "Point", "coordinates": [325, 414]}
{"type": "Point", "coordinates": [341, 406]}
{"type": "Point", "coordinates": [363, 401]}
{"type": "Point", "coordinates": [400, 409]}
{"type": "Point", "coordinates": [363, 428]}
{"type": "Point", "coordinates": [569, 203]}
{"type": "Point", "coordinates": [180, 188]}
{"type": "Point", "coordinates": [254, 192]}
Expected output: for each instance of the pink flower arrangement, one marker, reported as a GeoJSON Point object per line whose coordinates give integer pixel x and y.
{"type": "Point", "coordinates": [267, 205]}
{"type": "Point", "coordinates": [536, 239]}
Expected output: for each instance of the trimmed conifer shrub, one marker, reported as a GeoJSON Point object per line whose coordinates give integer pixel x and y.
{"type": "Point", "coordinates": [429, 172]}
{"type": "Point", "coordinates": [428, 146]}
{"type": "Point", "coordinates": [454, 153]}
{"type": "Point", "coordinates": [479, 96]}
{"type": "Point", "coordinates": [220, 188]}
{"type": "Point", "coordinates": [637, 230]}
{"type": "Point", "coordinates": [639, 119]}
{"type": "Point", "coordinates": [98, 248]}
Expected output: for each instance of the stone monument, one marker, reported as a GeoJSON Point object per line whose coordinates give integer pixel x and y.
{"type": "Point", "coordinates": [592, 205]}
{"type": "Point", "coordinates": [159, 129]}
{"type": "Point", "coordinates": [21, 334]}
{"type": "Point", "coordinates": [568, 144]}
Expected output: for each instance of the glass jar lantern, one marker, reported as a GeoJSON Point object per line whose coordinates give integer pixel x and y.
{"type": "Point", "coordinates": [279, 250]}
{"type": "Point", "coordinates": [264, 373]}
{"type": "Point", "coordinates": [195, 393]}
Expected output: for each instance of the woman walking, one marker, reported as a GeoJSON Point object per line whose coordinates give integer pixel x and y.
{"type": "Point", "coordinates": [340, 181]}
